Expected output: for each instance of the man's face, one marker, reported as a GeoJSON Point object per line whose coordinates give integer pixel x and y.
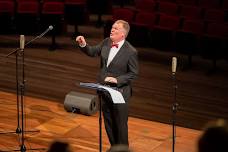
{"type": "Point", "coordinates": [117, 32]}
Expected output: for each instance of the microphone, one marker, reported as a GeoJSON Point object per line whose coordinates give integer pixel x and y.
{"type": "Point", "coordinates": [50, 27]}
{"type": "Point", "coordinates": [174, 65]}
{"type": "Point", "coordinates": [22, 42]}
{"type": "Point", "coordinates": [47, 30]}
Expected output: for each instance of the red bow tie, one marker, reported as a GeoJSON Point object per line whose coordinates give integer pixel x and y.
{"type": "Point", "coordinates": [115, 45]}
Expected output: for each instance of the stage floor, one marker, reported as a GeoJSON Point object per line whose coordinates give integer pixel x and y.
{"type": "Point", "coordinates": [48, 121]}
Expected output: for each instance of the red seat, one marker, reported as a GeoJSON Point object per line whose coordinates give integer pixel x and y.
{"type": "Point", "coordinates": [168, 8]}
{"type": "Point", "coordinates": [28, 7]}
{"type": "Point", "coordinates": [191, 12]}
{"type": "Point", "coordinates": [50, 7]}
{"type": "Point", "coordinates": [145, 5]}
{"type": "Point", "coordinates": [6, 15]}
{"type": "Point", "coordinates": [225, 4]}
{"type": "Point", "coordinates": [168, 22]}
{"type": "Point", "coordinates": [193, 26]}
{"type": "Point", "coordinates": [7, 7]}
{"type": "Point", "coordinates": [140, 27]}
{"type": "Point", "coordinates": [186, 2]}
{"type": "Point", "coordinates": [52, 13]}
{"type": "Point", "coordinates": [219, 30]}
{"type": "Point", "coordinates": [27, 0]}
{"type": "Point", "coordinates": [187, 38]}
{"type": "Point", "coordinates": [225, 8]}
{"type": "Point", "coordinates": [43, 1]}
{"type": "Point", "coordinates": [173, 1]}
{"type": "Point", "coordinates": [27, 11]}
{"type": "Point", "coordinates": [75, 9]}
{"type": "Point", "coordinates": [145, 19]}
{"type": "Point", "coordinates": [75, 2]}
{"type": "Point", "coordinates": [214, 15]}
{"type": "Point", "coordinates": [76, 13]}
{"type": "Point", "coordinates": [163, 33]}
{"type": "Point", "coordinates": [213, 41]}
{"type": "Point", "coordinates": [209, 3]}
{"type": "Point", "coordinates": [123, 13]}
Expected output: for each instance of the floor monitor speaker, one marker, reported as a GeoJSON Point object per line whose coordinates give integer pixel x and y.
{"type": "Point", "coordinates": [81, 103]}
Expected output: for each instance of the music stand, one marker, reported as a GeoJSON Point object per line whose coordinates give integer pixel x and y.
{"type": "Point", "coordinates": [116, 98]}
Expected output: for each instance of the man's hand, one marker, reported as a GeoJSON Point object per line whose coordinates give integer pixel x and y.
{"type": "Point", "coordinates": [81, 41]}
{"type": "Point", "coordinates": [111, 80]}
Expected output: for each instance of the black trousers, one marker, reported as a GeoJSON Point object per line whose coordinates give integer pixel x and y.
{"type": "Point", "coordinates": [115, 120]}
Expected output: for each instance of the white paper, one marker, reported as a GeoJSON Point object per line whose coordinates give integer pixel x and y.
{"type": "Point", "coordinates": [115, 95]}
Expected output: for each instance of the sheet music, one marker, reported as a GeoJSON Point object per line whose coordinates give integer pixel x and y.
{"type": "Point", "coordinates": [116, 96]}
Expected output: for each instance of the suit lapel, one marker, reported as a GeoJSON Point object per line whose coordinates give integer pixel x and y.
{"type": "Point", "coordinates": [119, 53]}
{"type": "Point", "coordinates": [106, 51]}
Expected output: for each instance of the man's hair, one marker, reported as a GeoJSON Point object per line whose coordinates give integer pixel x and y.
{"type": "Point", "coordinates": [59, 146]}
{"type": "Point", "coordinates": [126, 26]}
{"type": "Point", "coordinates": [214, 137]}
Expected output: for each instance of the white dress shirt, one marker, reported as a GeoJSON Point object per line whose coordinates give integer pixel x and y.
{"type": "Point", "coordinates": [114, 51]}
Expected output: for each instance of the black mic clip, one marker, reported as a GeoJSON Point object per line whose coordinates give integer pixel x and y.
{"type": "Point", "coordinates": [175, 107]}
{"type": "Point", "coordinates": [174, 76]}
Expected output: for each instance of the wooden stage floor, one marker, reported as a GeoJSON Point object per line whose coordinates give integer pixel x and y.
{"type": "Point", "coordinates": [52, 122]}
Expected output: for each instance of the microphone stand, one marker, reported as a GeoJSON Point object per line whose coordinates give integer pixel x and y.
{"type": "Point", "coordinates": [17, 53]}
{"type": "Point", "coordinates": [35, 38]}
{"type": "Point", "coordinates": [22, 93]}
{"type": "Point", "coordinates": [174, 111]}
{"type": "Point", "coordinates": [100, 121]}
{"type": "Point", "coordinates": [20, 52]}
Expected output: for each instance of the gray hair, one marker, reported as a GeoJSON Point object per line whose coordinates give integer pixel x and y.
{"type": "Point", "coordinates": [126, 26]}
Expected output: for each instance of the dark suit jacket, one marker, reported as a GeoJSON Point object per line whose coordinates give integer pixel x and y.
{"type": "Point", "coordinates": [124, 66]}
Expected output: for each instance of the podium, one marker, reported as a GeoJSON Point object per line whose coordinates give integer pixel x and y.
{"type": "Point", "coordinates": [116, 96]}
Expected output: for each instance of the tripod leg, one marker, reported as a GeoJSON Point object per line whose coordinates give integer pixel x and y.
{"type": "Point", "coordinates": [23, 148]}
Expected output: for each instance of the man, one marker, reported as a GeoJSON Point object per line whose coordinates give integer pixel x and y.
{"type": "Point", "coordinates": [119, 66]}
{"type": "Point", "coordinates": [60, 146]}
{"type": "Point", "coordinates": [215, 137]}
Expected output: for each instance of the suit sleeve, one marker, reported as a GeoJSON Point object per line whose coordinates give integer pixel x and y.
{"type": "Point", "coordinates": [92, 50]}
